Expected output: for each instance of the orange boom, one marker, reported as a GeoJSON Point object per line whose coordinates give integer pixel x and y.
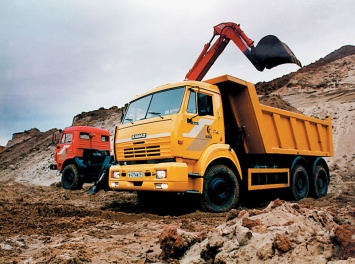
{"type": "Point", "coordinates": [269, 52]}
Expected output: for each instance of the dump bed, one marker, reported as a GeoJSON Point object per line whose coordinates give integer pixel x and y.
{"type": "Point", "coordinates": [272, 130]}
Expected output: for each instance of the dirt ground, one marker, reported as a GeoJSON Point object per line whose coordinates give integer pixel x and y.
{"type": "Point", "coordinates": [41, 224]}
{"type": "Point", "coordinates": [47, 224]}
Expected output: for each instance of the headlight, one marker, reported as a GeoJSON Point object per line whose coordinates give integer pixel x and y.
{"type": "Point", "coordinates": [161, 174]}
{"type": "Point", "coordinates": [116, 174]}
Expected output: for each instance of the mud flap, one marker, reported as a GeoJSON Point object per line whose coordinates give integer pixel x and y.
{"type": "Point", "coordinates": [271, 52]}
{"type": "Point", "coordinates": [102, 182]}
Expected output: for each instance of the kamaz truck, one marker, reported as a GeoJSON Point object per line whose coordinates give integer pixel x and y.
{"type": "Point", "coordinates": [215, 139]}
{"type": "Point", "coordinates": [82, 155]}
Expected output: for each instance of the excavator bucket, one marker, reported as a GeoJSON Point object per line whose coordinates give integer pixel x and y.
{"type": "Point", "coordinates": [271, 52]}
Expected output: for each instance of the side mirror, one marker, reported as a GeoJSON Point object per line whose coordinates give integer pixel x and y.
{"type": "Point", "coordinates": [123, 112]}
{"type": "Point", "coordinates": [56, 137]}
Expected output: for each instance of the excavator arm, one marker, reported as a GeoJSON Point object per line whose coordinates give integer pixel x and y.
{"type": "Point", "coordinates": [269, 52]}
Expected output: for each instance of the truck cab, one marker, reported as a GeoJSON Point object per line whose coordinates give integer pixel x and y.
{"type": "Point", "coordinates": [80, 152]}
{"type": "Point", "coordinates": [169, 137]}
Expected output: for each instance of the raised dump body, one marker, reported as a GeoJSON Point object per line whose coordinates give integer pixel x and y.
{"type": "Point", "coordinates": [269, 130]}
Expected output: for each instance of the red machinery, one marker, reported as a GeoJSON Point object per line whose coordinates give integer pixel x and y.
{"type": "Point", "coordinates": [269, 52]}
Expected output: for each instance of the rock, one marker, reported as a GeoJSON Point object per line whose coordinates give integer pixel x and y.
{"type": "Point", "coordinates": [243, 235]}
{"type": "Point", "coordinates": [345, 236]}
{"type": "Point", "coordinates": [171, 243]}
{"type": "Point", "coordinates": [282, 243]}
{"type": "Point", "coordinates": [232, 214]}
{"type": "Point", "coordinates": [265, 251]}
{"type": "Point", "coordinates": [215, 240]}
{"type": "Point", "coordinates": [174, 242]}
{"type": "Point", "coordinates": [250, 223]}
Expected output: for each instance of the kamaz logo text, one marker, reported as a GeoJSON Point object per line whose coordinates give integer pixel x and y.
{"type": "Point", "coordinates": [141, 135]}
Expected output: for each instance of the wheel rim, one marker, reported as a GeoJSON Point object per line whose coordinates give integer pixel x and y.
{"type": "Point", "coordinates": [321, 181]}
{"type": "Point", "coordinates": [69, 177]}
{"type": "Point", "coordinates": [301, 182]}
{"type": "Point", "coordinates": [219, 190]}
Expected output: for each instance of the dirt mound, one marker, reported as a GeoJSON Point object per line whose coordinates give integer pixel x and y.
{"type": "Point", "coordinates": [282, 232]}
{"type": "Point", "coordinates": [344, 51]}
{"type": "Point", "coordinates": [265, 88]}
{"type": "Point", "coordinates": [22, 136]}
{"type": "Point", "coordinates": [276, 101]}
{"type": "Point", "coordinates": [288, 80]}
{"type": "Point", "coordinates": [29, 153]}
{"type": "Point", "coordinates": [96, 117]}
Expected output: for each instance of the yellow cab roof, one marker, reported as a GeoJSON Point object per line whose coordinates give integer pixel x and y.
{"type": "Point", "coordinates": [202, 84]}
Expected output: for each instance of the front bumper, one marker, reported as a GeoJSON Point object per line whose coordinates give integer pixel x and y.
{"type": "Point", "coordinates": [143, 177]}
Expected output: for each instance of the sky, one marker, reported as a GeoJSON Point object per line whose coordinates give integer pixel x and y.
{"type": "Point", "coordinates": [59, 58]}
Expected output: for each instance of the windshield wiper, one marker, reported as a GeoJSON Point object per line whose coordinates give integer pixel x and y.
{"type": "Point", "coordinates": [156, 113]}
{"type": "Point", "coordinates": [130, 120]}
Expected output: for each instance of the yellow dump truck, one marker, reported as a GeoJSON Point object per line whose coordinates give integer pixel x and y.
{"type": "Point", "coordinates": [215, 139]}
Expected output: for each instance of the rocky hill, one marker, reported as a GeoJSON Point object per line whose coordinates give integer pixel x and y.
{"type": "Point", "coordinates": [42, 223]}
{"type": "Point", "coordinates": [316, 67]}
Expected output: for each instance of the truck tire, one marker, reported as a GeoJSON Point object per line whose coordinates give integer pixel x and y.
{"type": "Point", "coordinates": [220, 189]}
{"type": "Point", "coordinates": [299, 182]}
{"type": "Point", "coordinates": [319, 182]}
{"type": "Point", "coordinates": [70, 178]}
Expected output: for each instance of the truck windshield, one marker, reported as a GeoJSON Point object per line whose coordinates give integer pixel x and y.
{"type": "Point", "coordinates": [157, 104]}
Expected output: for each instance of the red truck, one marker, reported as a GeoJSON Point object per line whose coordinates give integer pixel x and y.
{"type": "Point", "coordinates": [81, 154]}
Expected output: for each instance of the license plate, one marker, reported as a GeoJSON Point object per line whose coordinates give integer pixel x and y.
{"type": "Point", "coordinates": [135, 174]}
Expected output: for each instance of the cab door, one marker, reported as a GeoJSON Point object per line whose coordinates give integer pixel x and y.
{"type": "Point", "coordinates": [64, 149]}
{"type": "Point", "coordinates": [200, 124]}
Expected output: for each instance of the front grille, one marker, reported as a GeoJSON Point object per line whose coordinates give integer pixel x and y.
{"type": "Point", "coordinates": [141, 152]}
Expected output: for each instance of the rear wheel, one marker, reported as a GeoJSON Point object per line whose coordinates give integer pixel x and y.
{"type": "Point", "coordinates": [220, 189]}
{"type": "Point", "coordinates": [299, 182]}
{"type": "Point", "coordinates": [71, 178]}
{"type": "Point", "coordinates": [319, 182]}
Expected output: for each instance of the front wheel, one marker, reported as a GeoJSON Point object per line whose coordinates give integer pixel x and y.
{"type": "Point", "coordinates": [319, 182]}
{"type": "Point", "coordinates": [220, 189]}
{"type": "Point", "coordinates": [299, 182]}
{"type": "Point", "coordinates": [71, 178]}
